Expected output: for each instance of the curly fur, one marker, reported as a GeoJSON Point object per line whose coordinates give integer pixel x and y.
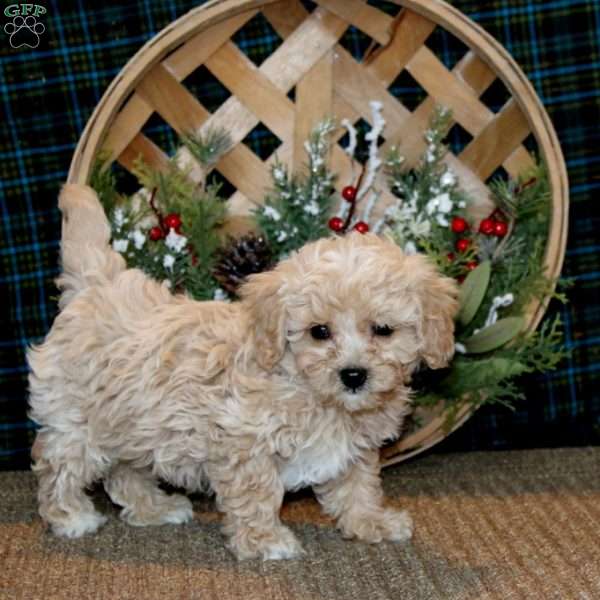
{"type": "Point", "coordinates": [134, 384]}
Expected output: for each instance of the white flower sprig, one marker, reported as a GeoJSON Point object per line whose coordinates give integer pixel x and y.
{"type": "Point", "coordinates": [176, 242]}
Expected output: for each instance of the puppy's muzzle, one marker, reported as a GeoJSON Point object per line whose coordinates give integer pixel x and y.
{"type": "Point", "coordinates": [353, 378]}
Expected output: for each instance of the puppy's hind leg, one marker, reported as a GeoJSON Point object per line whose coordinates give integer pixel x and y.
{"type": "Point", "coordinates": [143, 502]}
{"type": "Point", "coordinates": [63, 476]}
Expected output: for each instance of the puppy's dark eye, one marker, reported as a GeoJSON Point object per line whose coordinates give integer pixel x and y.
{"type": "Point", "coordinates": [382, 330]}
{"type": "Point", "coordinates": [320, 332]}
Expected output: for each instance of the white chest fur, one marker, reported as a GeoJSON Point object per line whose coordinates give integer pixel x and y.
{"type": "Point", "coordinates": [316, 462]}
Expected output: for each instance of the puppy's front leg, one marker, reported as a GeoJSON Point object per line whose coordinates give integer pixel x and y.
{"type": "Point", "coordinates": [355, 499]}
{"type": "Point", "coordinates": [250, 493]}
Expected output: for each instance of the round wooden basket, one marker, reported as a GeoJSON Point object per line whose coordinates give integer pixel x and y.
{"type": "Point", "coordinates": [327, 80]}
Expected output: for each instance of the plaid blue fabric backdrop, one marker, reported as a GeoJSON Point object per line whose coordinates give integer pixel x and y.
{"type": "Point", "coordinates": [49, 90]}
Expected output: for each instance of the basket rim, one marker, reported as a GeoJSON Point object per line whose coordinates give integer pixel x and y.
{"type": "Point", "coordinates": [442, 14]}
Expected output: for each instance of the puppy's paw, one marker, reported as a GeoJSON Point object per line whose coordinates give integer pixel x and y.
{"type": "Point", "coordinates": [179, 511]}
{"type": "Point", "coordinates": [174, 509]}
{"type": "Point", "coordinates": [77, 525]}
{"type": "Point", "coordinates": [398, 525]}
{"type": "Point", "coordinates": [389, 524]}
{"type": "Point", "coordinates": [286, 547]}
{"type": "Point", "coordinates": [276, 544]}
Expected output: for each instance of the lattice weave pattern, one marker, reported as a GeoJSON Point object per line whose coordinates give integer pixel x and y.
{"type": "Point", "coordinates": [325, 80]}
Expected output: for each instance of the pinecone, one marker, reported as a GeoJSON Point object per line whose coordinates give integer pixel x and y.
{"type": "Point", "coordinates": [242, 257]}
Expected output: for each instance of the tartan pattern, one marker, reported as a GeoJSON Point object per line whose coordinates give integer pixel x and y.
{"type": "Point", "coordinates": [48, 94]}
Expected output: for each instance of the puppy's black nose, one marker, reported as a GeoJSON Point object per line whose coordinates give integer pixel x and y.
{"type": "Point", "coordinates": [353, 378]}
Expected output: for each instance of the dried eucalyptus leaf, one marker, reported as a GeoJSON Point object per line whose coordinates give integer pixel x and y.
{"type": "Point", "coordinates": [472, 292]}
{"type": "Point", "coordinates": [494, 336]}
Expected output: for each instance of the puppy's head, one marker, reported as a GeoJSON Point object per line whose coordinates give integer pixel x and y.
{"type": "Point", "coordinates": [356, 314]}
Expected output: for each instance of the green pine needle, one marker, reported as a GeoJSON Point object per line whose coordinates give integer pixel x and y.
{"type": "Point", "coordinates": [207, 148]}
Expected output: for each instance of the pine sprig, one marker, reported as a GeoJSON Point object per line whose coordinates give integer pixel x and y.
{"type": "Point", "coordinates": [183, 257]}
{"type": "Point", "coordinates": [171, 186]}
{"type": "Point", "coordinates": [428, 197]}
{"type": "Point", "coordinates": [541, 350]}
{"type": "Point", "coordinates": [491, 379]}
{"type": "Point", "coordinates": [207, 148]}
{"type": "Point", "coordinates": [297, 208]}
{"type": "Point", "coordinates": [104, 182]}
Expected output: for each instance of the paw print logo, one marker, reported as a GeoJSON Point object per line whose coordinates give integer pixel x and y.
{"type": "Point", "coordinates": [24, 31]}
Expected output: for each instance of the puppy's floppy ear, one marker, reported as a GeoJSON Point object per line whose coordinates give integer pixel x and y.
{"type": "Point", "coordinates": [260, 295]}
{"type": "Point", "coordinates": [439, 302]}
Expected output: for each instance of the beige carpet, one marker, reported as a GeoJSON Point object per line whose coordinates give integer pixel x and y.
{"type": "Point", "coordinates": [494, 525]}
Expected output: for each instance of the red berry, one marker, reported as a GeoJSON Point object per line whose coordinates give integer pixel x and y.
{"type": "Point", "coordinates": [336, 224]}
{"type": "Point", "coordinates": [349, 193]}
{"type": "Point", "coordinates": [361, 227]}
{"type": "Point", "coordinates": [460, 278]}
{"type": "Point", "coordinates": [450, 256]}
{"type": "Point", "coordinates": [472, 265]}
{"type": "Point", "coordinates": [487, 226]}
{"type": "Point", "coordinates": [172, 221]}
{"type": "Point", "coordinates": [500, 228]}
{"type": "Point", "coordinates": [459, 225]}
{"type": "Point", "coordinates": [462, 245]}
{"type": "Point", "coordinates": [156, 233]}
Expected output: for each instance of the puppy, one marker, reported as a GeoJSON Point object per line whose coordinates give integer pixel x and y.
{"type": "Point", "coordinates": [298, 384]}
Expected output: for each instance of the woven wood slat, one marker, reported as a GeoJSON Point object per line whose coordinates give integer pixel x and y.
{"type": "Point", "coordinates": [147, 149]}
{"type": "Point", "coordinates": [254, 90]}
{"type": "Point", "coordinates": [126, 126]}
{"type": "Point", "coordinates": [351, 81]}
{"type": "Point", "coordinates": [474, 72]}
{"type": "Point", "coordinates": [307, 44]}
{"type": "Point", "coordinates": [496, 141]}
{"type": "Point", "coordinates": [314, 102]}
{"type": "Point", "coordinates": [234, 115]}
{"type": "Point", "coordinates": [470, 70]}
{"type": "Point", "coordinates": [171, 100]}
{"type": "Point", "coordinates": [372, 21]}
{"type": "Point", "coordinates": [245, 171]}
{"type": "Point", "coordinates": [285, 16]}
{"type": "Point", "coordinates": [242, 203]}
{"type": "Point", "coordinates": [197, 50]}
{"type": "Point", "coordinates": [447, 91]}
{"type": "Point", "coordinates": [411, 32]}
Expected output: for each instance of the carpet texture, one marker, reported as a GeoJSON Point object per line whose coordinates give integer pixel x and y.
{"type": "Point", "coordinates": [521, 524]}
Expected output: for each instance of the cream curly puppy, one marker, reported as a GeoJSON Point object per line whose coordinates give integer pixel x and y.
{"type": "Point", "coordinates": [297, 385]}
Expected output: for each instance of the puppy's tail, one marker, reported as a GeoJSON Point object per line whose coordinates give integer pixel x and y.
{"type": "Point", "coordinates": [86, 256]}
